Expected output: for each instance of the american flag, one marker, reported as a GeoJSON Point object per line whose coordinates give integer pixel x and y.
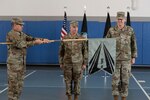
{"type": "Point", "coordinates": [64, 27]}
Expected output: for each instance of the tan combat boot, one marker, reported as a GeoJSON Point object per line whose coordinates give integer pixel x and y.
{"type": "Point", "coordinates": [123, 98]}
{"type": "Point", "coordinates": [76, 97]}
{"type": "Point", "coordinates": [69, 97]}
{"type": "Point", "coordinates": [116, 97]}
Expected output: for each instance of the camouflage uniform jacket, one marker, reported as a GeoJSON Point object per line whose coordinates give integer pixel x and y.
{"type": "Point", "coordinates": [17, 50]}
{"type": "Point", "coordinates": [73, 52]}
{"type": "Point", "coordinates": [126, 47]}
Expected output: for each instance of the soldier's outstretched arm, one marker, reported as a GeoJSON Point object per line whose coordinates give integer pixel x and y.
{"type": "Point", "coordinates": [14, 38]}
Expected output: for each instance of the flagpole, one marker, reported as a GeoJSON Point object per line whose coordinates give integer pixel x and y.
{"type": "Point", "coordinates": [105, 74]}
{"type": "Point", "coordinates": [85, 71]}
{"type": "Point", "coordinates": [67, 40]}
{"type": "Point", "coordinates": [64, 40]}
{"type": "Point", "coordinates": [6, 43]}
{"type": "Point", "coordinates": [65, 9]}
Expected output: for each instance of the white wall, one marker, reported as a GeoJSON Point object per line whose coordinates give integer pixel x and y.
{"type": "Point", "coordinates": [74, 7]}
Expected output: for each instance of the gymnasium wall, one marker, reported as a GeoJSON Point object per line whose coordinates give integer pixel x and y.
{"type": "Point", "coordinates": [48, 53]}
{"type": "Point", "coordinates": [138, 8]}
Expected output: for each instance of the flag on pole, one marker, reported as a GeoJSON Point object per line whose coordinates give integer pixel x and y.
{"type": "Point", "coordinates": [109, 67]}
{"type": "Point", "coordinates": [107, 60]}
{"type": "Point", "coordinates": [107, 25]}
{"type": "Point", "coordinates": [84, 33]}
{"type": "Point", "coordinates": [102, 54]}
{"type": "Point", "coordinates": [84, 26]}
{"type": "Point", "coordinates": [64, 27]}
{"type": "Point", "coordinates": [128, 19]}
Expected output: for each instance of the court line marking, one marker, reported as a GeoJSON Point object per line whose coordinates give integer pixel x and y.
{"type": "Point", "coordinates": [24, 78]}
{"type": "Point", "coordinates": [145, 87]}
{"type": "Point", "coordinates": [141, 81]}
{"type": "Point", "coordinates": [140, 86]}
{"type": "Point", "coordinates": [141, 72]}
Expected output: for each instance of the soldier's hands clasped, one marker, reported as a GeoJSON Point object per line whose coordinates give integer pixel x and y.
{"type": "Point", "coordinates": [43, 41]}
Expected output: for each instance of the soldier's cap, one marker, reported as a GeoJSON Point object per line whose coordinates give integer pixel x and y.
{"type": "Point", "coordinates": [120, 15]}
{"type": "Point", "coordinates": [74, 23]}
{"type": "Point", "coordinates": [17, 20]}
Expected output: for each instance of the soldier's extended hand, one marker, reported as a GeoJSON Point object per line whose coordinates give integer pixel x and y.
{"type": "Point", "coordinates": [38, 41]}
{"type": "Point", "coordinates": [47, 41]}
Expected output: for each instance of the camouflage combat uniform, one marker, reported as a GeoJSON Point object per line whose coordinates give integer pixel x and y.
{"type": "Point", "coordinates": [72, 56]}
{"type": "Point", "coordinates": [16, 62]}
{"type": "Point", "coordinates": [126, 49]}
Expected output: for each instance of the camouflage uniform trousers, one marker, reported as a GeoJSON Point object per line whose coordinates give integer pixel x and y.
{"type": "Point", "coordinates": [72, 73]}
{"type": "Point", "coordinates": [16, 74]}
{"type": "Point", "coordinates": [120, 78]}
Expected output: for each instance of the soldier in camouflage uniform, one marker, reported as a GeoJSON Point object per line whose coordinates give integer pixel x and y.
{"type": "Point", "coordinates": [73, 60]}
{"type": "Point", "coordinates": [16, 61]}
{"type": "Point", "coordinates": [126, 52]}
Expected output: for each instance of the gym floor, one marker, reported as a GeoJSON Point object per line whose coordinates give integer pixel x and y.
{"type": "Point", "coordinates": [47, 83]}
